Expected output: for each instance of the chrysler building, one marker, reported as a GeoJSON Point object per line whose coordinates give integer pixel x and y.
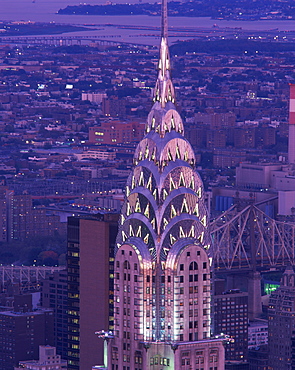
{"type": "Point", "coordinates": [161, 267]}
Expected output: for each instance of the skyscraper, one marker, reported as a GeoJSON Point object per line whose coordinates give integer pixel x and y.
{"type": "Point", "coordinates": [91, 242]}
{"type": "Point", "coordinates": [161, 267]}
{"type": "Point", "coordinates": [281, 323]}
{"type": "Point", "coordinates": [291, 143]}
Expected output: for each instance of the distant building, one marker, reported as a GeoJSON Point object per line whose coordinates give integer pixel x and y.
{"type": "Point", "coordinates": [114, 107]}
{"type": "Point", "coordinates": [91, 242]}
{"type": "Point", "coordinates": [216, 120]}
{"type": "Point", "coordinates": [257, 176]}
{"type": "Point", "coordinates": [216, 139]}
{"type": "Point", "coordinates": [48, 360]}
{"type": "Point", "coordinates": [94, 97]}
{"type": "Point", "coordinates": [116, 132]}
{"type": "Point", "coordinates": [102, 155]}
{"type": "Point", "coordinates": [244, 137]}
{"type": "Point", "coordinates": [281, 323]}
{"type": "Point", "coordinates": [25, 221]}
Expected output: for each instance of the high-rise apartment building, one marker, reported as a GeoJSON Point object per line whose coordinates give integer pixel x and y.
{"type": "Point", "coordinates": [281, 323]}
{"type": "Point", "coordinates": [231, 317]}
{"type": "Point", "coordinates": [161, 267]}
{"type": "Point", "coordinates": [22, 330]}
{"type": "Point", "coordinates": [54, 295]}
{"type": "Point", "coordinates": [91, 242]}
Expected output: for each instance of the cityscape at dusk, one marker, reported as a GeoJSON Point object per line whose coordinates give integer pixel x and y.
{"type": "Point", "coordinates": [147, 185]}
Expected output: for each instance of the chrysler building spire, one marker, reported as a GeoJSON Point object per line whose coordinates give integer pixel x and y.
{"type": "Point", "coordinates": [161, 267]}
{"type": "Point", "coordinates": [164, 90]}
{"type": "Point", "coordinates": [164, 25]}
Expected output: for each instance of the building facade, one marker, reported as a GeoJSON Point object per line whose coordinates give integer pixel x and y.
{"type": "Point", "coordinates": [54, 295]}
{"type": "Point", "coordinates": [281, 323]}
{"type": "Point", "coordinates": [91, 243]}
{"type": "Point", "coordinates": [162, 267]}
{"type": "Point", "coordinates": [231, 317]}
{"type": "Point", "coordinates": [22, 330]}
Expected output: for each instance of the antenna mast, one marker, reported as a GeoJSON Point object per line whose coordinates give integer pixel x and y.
{"type": "Point", "coordinates": [164, 30]}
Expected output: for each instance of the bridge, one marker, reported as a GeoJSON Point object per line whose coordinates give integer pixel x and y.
{"type": "Point", "coordinates": [251, 240]}
{"type": "Point", "coordinates": [247, 242]}
{"type": "Point", "coordinates": [27, 277]}
{"type": "Point", "coordinates": [64, 40]}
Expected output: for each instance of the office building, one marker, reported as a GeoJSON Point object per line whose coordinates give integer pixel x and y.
{"type": "Point", "coordinates": [231, 317]}
{"type": "Point", "coordinates": [91, 243]}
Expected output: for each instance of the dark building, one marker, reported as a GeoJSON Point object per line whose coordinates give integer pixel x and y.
{"type": "Point", "coordinates": [244, 137]}
{"type": "Point", "coordinates": [258, 358]}
{"type": "Point", "coordinates": [25, 221]}
{"type": "Point", "coordinates": [281, 323]}
{"type": "Point", "coordinates": [231, 318]}
{"type": "Point", "coordinates": [216, 139]}
{"type": "Point", "coordinates": [54, 295]}
{"type": "Point", "coordinates": [91, 244]}
{"type": "Point", "coordinates": [265, 136]}
{"type": "Point", "coordinates": [114, 107]}
{"type": "Point", "coordinates": [196, 135]}
{"type": "Point", "coordinates": [22, 330]}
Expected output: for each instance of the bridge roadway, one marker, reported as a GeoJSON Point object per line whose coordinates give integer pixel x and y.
{"type": "Point", "coordinates": [64, 40]}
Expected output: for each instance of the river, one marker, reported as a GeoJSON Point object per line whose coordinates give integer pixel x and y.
{"type": "Point", "coordinates": [45, 11]}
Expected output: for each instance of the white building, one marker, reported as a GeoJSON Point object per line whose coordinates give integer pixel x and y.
{"type": "Point", "coordinates": [257, 333]}
{"type": "Point", "coordinates": [48, 360]}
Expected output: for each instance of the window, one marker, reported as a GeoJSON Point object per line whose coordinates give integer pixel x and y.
{"type": "Point", "coordinates": [181, 267]}
{"type": "Point", "coordinates": [193, 266]}
{"type": "Point", "coordinates": [126, 265]}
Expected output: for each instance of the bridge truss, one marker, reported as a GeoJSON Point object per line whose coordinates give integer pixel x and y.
{"type": "Point", "coordinates": [251, 240]}
{"type": "Point", "coordinates": [27, 277]}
